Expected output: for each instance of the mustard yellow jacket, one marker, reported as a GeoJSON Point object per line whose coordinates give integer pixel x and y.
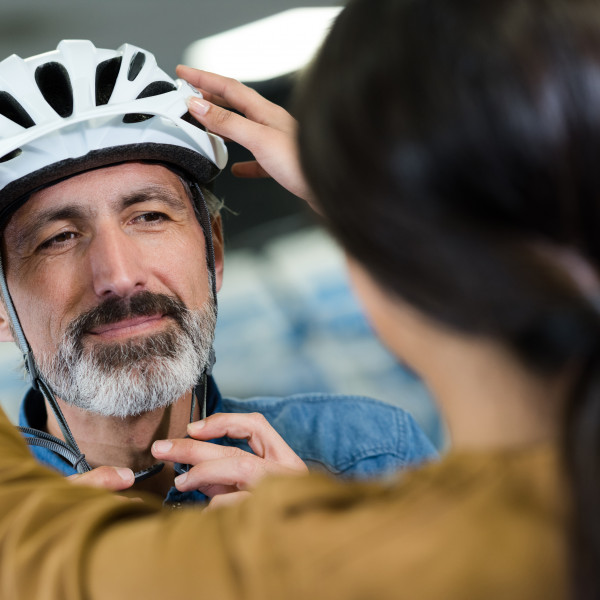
{"type": "Point", "coordinates": [487, 526]}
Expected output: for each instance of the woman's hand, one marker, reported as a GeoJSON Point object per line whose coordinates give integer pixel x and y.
{"type": "Point", "coordinates": [226, 473]}
{"type": "Point", "coordinates": [114, 479]}
{"type": "Point", "coordinates": [266, 129]}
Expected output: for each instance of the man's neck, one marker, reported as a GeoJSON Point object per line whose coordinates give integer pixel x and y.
{"type": "Point", "coordinates": [126, 442]}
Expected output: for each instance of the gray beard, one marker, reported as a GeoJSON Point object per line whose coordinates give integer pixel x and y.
{"type": "Point", "coordinates": [137, 376]}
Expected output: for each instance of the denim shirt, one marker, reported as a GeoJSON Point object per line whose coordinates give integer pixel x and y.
{"type": "Point", "coordinates": [348, 436]}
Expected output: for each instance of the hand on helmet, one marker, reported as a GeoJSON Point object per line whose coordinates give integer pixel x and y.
{"type": "Point", "coordinates": [266, 129]}
{"type": "Point", "coordinates": [225, 473]}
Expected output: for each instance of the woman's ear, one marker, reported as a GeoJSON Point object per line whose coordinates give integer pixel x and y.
{"type": "Point", "coordinates": [5, 329]}
{"type": "Point", "coordinates": [219, 249]}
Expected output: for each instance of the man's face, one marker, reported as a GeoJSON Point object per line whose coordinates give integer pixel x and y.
{"type": "Point", "coordinates": [107, 264]}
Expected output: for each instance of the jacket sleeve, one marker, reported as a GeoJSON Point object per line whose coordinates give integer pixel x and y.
{"type": "Point", "coordinates": [48, 525]}
{"type": "Point", "coordinates": [65, 542]}
{"type": "Point", "coordinates": [294, 538]}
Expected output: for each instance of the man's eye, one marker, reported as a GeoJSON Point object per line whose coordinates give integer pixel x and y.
{"type": "Point", "coordinates": [58, 240]}
{"type": "Point", "coordinates": [151, 217]}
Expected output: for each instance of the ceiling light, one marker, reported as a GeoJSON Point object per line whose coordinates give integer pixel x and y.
{"type": "Point", "coordinates": [268, 48]}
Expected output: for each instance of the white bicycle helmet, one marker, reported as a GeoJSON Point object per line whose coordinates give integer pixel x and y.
{"type": "Point", "coordinates": [79, 108]}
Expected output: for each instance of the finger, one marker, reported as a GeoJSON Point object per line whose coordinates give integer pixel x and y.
{"type": "Point", "coordinates": [253, 427]}
{"type": "Point", "coordinates": [210, 85]}
{"type": "Point", "coordinates": [241, 97]}
{"type": "Point", "coordinates": [215, 98]}
{"type": "Point", "coordinates": [228, 124]}
{"type": "Point", "coordinates": [241, 473]}
{"type": "Point", "coordinates": [109, 478]}
{"type": "Point", "coordinates": [211, 490]}
{"type": "Point", "coordinates": [214, 475]}
{"type": "Point", "coordinates": [190, 451]}
{"type": "Point", "coordinates": [249, 169]}
{"type": "Point", "coordinates": [227, 499]}
{"type": "Point", "coordinates": [225, 139]}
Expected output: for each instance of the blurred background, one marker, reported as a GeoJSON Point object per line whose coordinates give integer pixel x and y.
{"type": "Point", "coordinates": [288, 322]}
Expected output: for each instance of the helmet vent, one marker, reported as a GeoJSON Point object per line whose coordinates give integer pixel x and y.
{"type": "Point", "coordinates": [53, 80]}
{"type": "Point", "coordinates": [136, 118]}
{"type": "Point", "coordinates": [156, 88]}
{"type": "Point", "coordinates": [11, 109]}
{"type": "Point", "coordinates": [106, 79]}
{"type": "Point", "coordinates": [135, 66]}
{"type": "Point", "coordinates": [11, 155]}
{"type": "Point", "coordinates": [189, 119]}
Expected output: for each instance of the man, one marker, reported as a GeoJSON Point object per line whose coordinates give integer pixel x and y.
{"type": "Point", "coordinates": [109, 280]}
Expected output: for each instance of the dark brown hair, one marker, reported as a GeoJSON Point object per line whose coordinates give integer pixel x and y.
{"type": "Point", "coordinates": [446, 141]}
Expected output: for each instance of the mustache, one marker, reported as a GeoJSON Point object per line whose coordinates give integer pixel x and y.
{"type": "Point", "coordinates": [117, 309]}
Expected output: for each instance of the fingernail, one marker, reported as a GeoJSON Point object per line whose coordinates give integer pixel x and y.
{"type": "Point", "coordinates": [195, 426]}
{"type": "Point", "coordinates": [125, 474]}
{"type": "Point", "coordinates": [180, 479]}
{"type": "Point", "coordinates": [162, 446]}
{"type": "Point", "coordinates": [198, 105]}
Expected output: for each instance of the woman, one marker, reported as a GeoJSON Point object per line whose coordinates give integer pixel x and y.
{"type": "Point", "coordinates": [451, 147]}
{"type": "Point", "coordinates": [452, 155]}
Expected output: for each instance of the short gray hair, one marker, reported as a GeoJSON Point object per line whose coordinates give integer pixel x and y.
{"type": "Point", "coordinates": [213, 202]}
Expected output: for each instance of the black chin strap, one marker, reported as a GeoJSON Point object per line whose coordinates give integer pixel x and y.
{"type": "Point", "coordinates": [66, 448]}
{"type": "Point", "coordinates": [179, 467]}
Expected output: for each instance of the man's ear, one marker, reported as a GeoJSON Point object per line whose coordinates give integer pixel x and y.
{"type": "Point", "coordinates": [218, 247]}
{"type": "Point", "coordinates": [5, 330]}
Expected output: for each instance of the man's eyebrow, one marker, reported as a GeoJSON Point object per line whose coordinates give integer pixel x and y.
{"type": "Point", "coordinates": [35, 222]}
{"type": "Point", "coordinates": [154, 192]}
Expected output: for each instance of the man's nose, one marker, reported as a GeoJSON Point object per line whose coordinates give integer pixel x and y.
{"type": "Point", "coordinates": [117, 264]}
